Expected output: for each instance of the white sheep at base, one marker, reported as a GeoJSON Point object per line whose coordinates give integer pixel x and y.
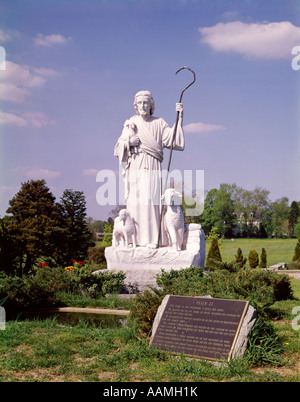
{"type": "Point", "coordinates": [174, 219]}
{"type": "Point", "coordinates": [124, 228]}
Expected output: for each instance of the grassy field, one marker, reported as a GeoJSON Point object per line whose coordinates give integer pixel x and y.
{"type": "Point", "coordinates": [278, 250]}
{"type": "Point", "coordinates": [48, 351]}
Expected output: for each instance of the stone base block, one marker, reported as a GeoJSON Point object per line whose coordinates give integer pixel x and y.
{"type": "Point", "coordinates": [142, 264]}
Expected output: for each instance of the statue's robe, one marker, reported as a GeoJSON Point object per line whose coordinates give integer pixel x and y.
{"type": "Point", "coordinates": [142, 173]}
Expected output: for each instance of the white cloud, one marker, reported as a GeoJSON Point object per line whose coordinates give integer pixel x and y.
{"type": "Point", "coordinates": [16, 82]}
{"type": "Point", "coordinates": [35, 173]}
{"type": "Point", "coordinates": [13, 93]}
{"type": "Point", "coordinates": [51, 40]}
{"type": "Point", "coordinates": [29, 119]}
{"type": "Point", "coordinates": [11, 119]}
{"type": "Point", "coordinates": [202, 128]}
{"type": "Point", "coordinates": [273, 40]}
{"type": "Point", "coordinates": [21, 76]}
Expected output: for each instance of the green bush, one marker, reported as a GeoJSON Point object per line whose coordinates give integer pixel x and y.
{"type": "Point", "coordinates": [38, 290]}
{"type": "Point", "coordinates": [96, 256]}
{"type": "Point", "coordinates": [296, 256]}
{"type": "Point", "coordinates": [85, 281]}
{"type": "Point", "coordinates": [261, 288]}
{"type": "Point", "coordinates": [253, 259]}
{"type": "Point", "coordinates": [263, 259]}
{"type": "Point", "coordinates": [213, 253]}
{"type": "Point", "coordinates": [144, 309]}
{"type": "Point", "coordinates": [179, 281]}
{"type": "Point", "coordinates": [232, 266]}
{"type": "Point", "coordinates": [239, 258]}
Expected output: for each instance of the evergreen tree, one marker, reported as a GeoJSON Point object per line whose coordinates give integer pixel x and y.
{"type": "Point", "coordinates": [253, 259]}
{"type": "Point", "coordinates": [293, 217]}
{"type": "Point", "coordinates": [213, 253]}
{"type": "Point", "coordinates": [296, 256]}
{"type": "Point", "coordinates": [8, 249]}
{"type": "Point", "coordinates": [33, 224]}
{"type": "Point", "coordinates": [78, 238]}
{"type": "Point", "coordinates": [239, 258]}
{"type": "Point", "coordinates": [297, 228]}
{"type": "Point", "coordinates": [263, 259]}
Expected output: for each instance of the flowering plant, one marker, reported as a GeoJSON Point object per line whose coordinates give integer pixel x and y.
{"type": "Point", "coordinates": [43, 264]}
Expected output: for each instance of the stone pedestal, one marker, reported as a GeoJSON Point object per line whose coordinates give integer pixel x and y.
{"type": "Point", "coordinates": [142, 264]}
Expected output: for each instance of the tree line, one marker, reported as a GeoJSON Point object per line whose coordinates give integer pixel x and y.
{"type": "Point", "coordinates": [37, 228]}
{"type": "Point", "coordinates": [236, 212]}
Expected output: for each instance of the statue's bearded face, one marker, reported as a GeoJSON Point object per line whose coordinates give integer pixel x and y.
{"type": "Point", "coordinates": [143, 105]}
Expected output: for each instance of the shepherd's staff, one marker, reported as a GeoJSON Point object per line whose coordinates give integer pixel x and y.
{"type": "Point", "coordinates": [171, 148]}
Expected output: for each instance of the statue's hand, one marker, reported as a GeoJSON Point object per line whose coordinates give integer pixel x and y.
{"type": "Point", "coordinates": [179, 108]}
{"type": "Point", "coordinates": [134, 141]}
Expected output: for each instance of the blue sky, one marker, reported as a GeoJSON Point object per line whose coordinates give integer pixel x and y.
{"type": "Point", "coordinates": [73, 67]}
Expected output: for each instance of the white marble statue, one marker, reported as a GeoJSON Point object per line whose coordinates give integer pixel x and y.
{"type": "Point", "coordinates": [174, 219]}
{"type": "Point", "coordinates": [147, 136]}
{"type": "Point", "coordinates": [124, 229]}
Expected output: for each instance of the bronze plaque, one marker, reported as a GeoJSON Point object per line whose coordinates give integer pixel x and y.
{"type": "Point", "coordinates": [200, 327]}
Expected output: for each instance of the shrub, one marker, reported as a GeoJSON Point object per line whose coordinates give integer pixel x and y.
{"type": "Point", "coordinates": [38, 290]}
{"type": "Point", "coordinates": [228, 266]}
{"type": "Point", "coordinates": [96, 256]}
{"type": "Point", "coordinates": [262, 288]}
{"type": "Point", "coordinates": [179, 281]}
{"type": "Point", "coordinates": [213, 253]}
{"type": "Point", "coordinates": [144, 309]}
{"type": "Point", "coordinates": [239, 258]}
{"type": "Point", "coordinates": [253, 259]}
{"type": "Point", "coordinates": [296, 256]}
{"type": "Point", "coordinates": [85, 281]}
{"type": "Point", "coordinates": [107, 239]}
{"type": "Point", "coordinates": [263, 259]}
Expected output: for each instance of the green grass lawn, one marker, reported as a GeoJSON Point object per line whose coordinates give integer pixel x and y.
{"type": "Point", "coordinates": [47, 351]}
{"type": "Point", "coordinates": [278, 250]}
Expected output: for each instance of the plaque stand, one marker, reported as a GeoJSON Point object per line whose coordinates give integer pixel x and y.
{"type": "Point", "coordinates": [213, 329]}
